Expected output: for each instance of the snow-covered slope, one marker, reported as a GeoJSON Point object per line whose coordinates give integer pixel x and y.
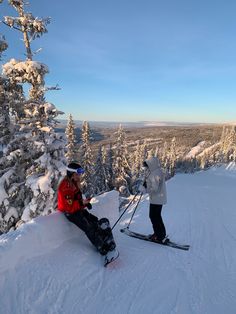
{"type": "Point", "coordinates": [48, 265]}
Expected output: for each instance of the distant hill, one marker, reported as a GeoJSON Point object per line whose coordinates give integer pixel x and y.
{"type": "Point", "coordinates": [138, 124]}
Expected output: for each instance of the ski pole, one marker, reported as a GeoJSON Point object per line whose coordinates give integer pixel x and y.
{"type": "Point", "coordinates": [136, 206]}
{"type": "Point", "coordinates": [124, 211]}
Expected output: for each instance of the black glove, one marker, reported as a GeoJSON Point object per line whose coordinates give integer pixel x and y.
{"type": "Point", "coordinates": [145, 184]}
{"type": "Point", "coordinates": [89, 206]}
{"type": "Point", "coordinates": [77, 196]}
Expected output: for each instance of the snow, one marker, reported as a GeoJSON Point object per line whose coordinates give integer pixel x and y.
{"type": "Point", "coordinates": [195, 150]}
{"type": "Point", "coordinates": [4, 178]}
{"type": "Point", "coordinates": [49, 266]}
{"type": "Point", "coordinates": [25, 71]}
{"type": "Point", "coordinates": [209, 149]}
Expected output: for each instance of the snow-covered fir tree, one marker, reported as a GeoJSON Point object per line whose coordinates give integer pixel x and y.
{"type": "Point", "coordinates": [71, 149]}
{"type": "Point", "coordinates": [223, 144]}
{"type": "Point", "coordinates": [107, 157]}
{"type": "Point", "coordinates": [100, 172]}
{"type": "Point", "coordinates": [144, 153]}
{"type": "Point", "coordinates": [11, 176]}
{"type": "Point", "coordinates": [140, 154]}
{"type": "Point", "coordinates": [227, 150]}
{"type": "Point", "coordinates": [136, 162]}
{"type": "Point", "coordinates": [163, 155]}
{"type": "Point", "coordinates": [172, 157]}
{"type": "Point", "coordinates": [121, 167]}
{"type": "Point", "coordinates": [151, 153]}
{"type": "Point", "coordinates": [231, 143]}
{"type": "Point", "coordinates": [39, 150]}
{"type": "Point", "coordinates": [87, 159]}
{"type": "Point", "coordinates": [5, 129]}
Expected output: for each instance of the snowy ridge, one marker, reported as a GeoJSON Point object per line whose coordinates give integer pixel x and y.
{"type": "Point", "coordinates": [49, 266]}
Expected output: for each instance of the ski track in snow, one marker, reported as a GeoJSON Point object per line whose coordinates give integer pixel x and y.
{"type": "Point", "coordinates": [61, 272]}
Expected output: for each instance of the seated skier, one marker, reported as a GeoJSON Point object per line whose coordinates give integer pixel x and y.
{"type": "Point", "coordinates": [72, 204]}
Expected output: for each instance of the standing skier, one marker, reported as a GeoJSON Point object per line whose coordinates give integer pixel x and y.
{"type": "Point", "coordinates": [72, 204]}
{"type": "Point", "coordinates": [155, 186]}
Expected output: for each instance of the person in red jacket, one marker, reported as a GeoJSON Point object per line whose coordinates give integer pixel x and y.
{"type": "Point", "coordinates": [72, 204]}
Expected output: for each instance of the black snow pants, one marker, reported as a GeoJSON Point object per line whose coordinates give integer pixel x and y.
{"type": "Point", "coordinates": [100, 237]}
{"type": "Point", "coordinates": [157, 222]}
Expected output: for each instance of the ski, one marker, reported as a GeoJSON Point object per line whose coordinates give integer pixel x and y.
{"type": "Point", "coordinates": [147, 238]}
{"type": "Point", "coordinates": [110, 257]}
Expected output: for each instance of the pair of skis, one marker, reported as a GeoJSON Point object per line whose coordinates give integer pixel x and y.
{"type": "Point", "coordinates": [113, 255]}
{"type": "Point", "coordinates": [144, 237]}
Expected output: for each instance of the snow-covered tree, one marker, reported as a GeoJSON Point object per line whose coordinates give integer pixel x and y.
{"type": "Point", "coordinates": [5, 123]}
{"type": "Point", "coordinates": [231, 143]}
{"type": "Point", "coordinates": [172, 156]}
{"type": "Point", "coordinates": [71, 150]}
{"type": "Point", "coordinates": [107, 157]}
{"type": "Point", "coordinates": [37, 149]}
{"type": "Point", "coordinates": [87, 159]}
{"type": "Point", "coordinates": [99, 172]}
{"type": "Point", "coordinates": [163, 155]}
{"type": "Point", "coordinates": [223, 144]}
{"type": "Point", "coordinates": [144, 152]}
{"type": "Point", "coordinates": [228, 144]}
{"type": "Point", "coordinates": [11, 176]}
{"type": "Point", "coordinates": [136, 161]}
{"type": "Point", "coordinates": [121, 167]}
{"type": "Point", "coordinates": [151, 153]}
{"type": "Point", "coordinates": [138, 157]}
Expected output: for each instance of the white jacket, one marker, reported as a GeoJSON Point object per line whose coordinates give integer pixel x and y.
{"type": "Point", "coordinates": [156, 185]}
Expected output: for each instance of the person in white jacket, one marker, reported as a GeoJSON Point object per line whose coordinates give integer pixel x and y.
{"type": "Point", "coordinates": [155, 186]}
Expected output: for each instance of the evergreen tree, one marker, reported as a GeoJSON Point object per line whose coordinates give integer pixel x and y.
{"type": "Point", "coordinates": [138, 157]}
{"type": "Point", "coordinates": [144, 153]}
{"type": "Point", "coordinates": [135, 168]}
{"type": "Point", "coordinates": [11, 175]}
{"type": "Point", "coordinates": [227, 143]}
{"type": "Point", "coordinates": [122, 171]}
{"type": "Point", "coordinates": [172, 156]}
{"type": "Point", "coordinates": [40, 150]}
{"type": "Point", "coordinates": [87, 160]}
{"type": "Point", "coordinates": [151, 153]}
{"type": "Point", "coordinates": [107, 156]}
{"type": "Point", "coordinates": [164, 156]}
{"type": "Point", "coordinates": [71, 150]}
{"type": "Point", "coordinates": [99, 173]}
{"type": "Point", "coordinates": [231, 142]}
{"type": "Point", "coordinates": [5, 124]}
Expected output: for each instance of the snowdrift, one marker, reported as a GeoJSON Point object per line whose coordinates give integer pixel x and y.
{"type": "Point", "coordinates": [49, 266]}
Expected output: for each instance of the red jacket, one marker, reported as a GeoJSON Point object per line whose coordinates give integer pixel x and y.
{"type": "Point", "coordinates": [69, 197]}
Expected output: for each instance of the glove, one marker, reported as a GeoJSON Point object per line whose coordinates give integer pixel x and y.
{"type": "Point", "coordinates": [77, 196]}
{"type": "Point", "coordinates": [145, 184]}
{"type": "Point", "coordinates": [89, 206]}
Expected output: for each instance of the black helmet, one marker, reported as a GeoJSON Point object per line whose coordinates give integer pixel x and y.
{"type": "Point", "coordinates": [74, 167]}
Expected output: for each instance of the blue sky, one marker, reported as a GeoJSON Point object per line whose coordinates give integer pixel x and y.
{"type": "Point", "coordinates": [132, 60]}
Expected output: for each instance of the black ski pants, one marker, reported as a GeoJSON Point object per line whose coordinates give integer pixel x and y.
{"type": "Point", "coordinates": [90, 225]}
{"type": "Point", "coordinates": [157, 222]}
